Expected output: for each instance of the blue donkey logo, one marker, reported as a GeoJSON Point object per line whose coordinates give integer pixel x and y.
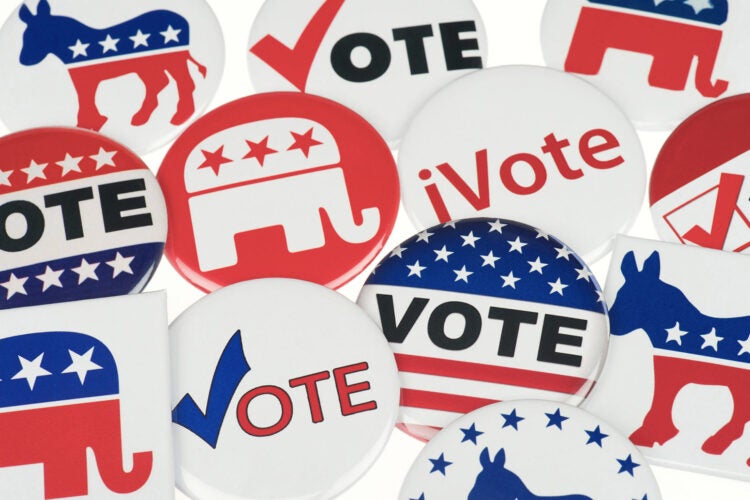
{"type": "Point", "coordinates": [495, 482]}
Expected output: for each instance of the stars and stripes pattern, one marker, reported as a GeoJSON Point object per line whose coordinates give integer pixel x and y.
{"type": "Point", "coordinates": [493, 258]}
{"type": "Point", "coordinates": [53, 367]}
{"type": "Point", "coordinates": [708, 11]}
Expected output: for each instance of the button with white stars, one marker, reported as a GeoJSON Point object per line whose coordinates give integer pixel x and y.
{"type": "Point", "coordinates": [81, 217]}
{"type": "Point", "coordinates": [486, 310]}
{"type": "Point", "coordinates": [139, 74]}
{"type": "Point", "coordinates": [281, 185]}
{"type": "Point", "coordinates": [530, 449]}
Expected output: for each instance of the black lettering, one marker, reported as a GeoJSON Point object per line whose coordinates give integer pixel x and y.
{"type": "Point", "coordinates": [397, 332]}
{"type": "Point", "coordinates": [34, 226]}
{"type": "Point", "coordinates": [512, 320]}
{"type": "Point", "coordinates": [413, 37]}
{"type": "Point", "coordinates": [472, 326]}
{"type": "Point", "coordinates": [70, 206]}
{"type": "Point", "coordinates": [380, 57]}
{"type": "Point", "coordinates": [551, 338]}
{"type": "Point", "coordinates": [113, 206]}
{"type": "Point", "coordinates": [454, 46]}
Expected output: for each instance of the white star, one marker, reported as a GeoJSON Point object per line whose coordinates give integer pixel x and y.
{"type": "Point", "coordinates": [31, 370]}
{"type": "Point", "coordinates": [584, 274]}
{"type": "Point", "coordinates": [398, 252]}
{"type": "Point", "coordinates": [470, 240]}
{"type": "Point", "coordinates": [675, 334]}
{"type": "Point", "coordinates": [171, 35]}
{"type": "Point", "coordinates": [81, 364]}
{"type": "Point", "coordinates": [80, 49]}
{"type": "Point", "coordinates": [489, 259]}
{"type": "Point", "coordinates": [424, 236]}
{"type": "Point", "coordinates": [542, 234]}
{"type": "Point", "coordinates": [510, 280]}
{"type": "Point", "coordinates": [416, 269]}
{"type": "Point", "coordinates": [600, 294]}
{"type": "Point", "coordinates": [5, 177]}
{"type": "Point", "coordinates": [50, 278]}
{"type": "Point", "coordinates": [70, 164]}
{"type": "Point", "coordinates": [537, 266]}
{"type": "Point", "coordinates": [104, 158]}
{"type": "Point", "coordinates": [15, 285]}
{"type": "Point", "coordinates": [557, 287]}
{"type": "Point", "coordinates": [34, 171]}
{"type": "Point", "coordinates": [497, 226]}
{"type": "Point", "coordinates": [564, 253]}
{"type": "Point", "coordinates": [462, 274]}
{"type": "Point", "coordinates": [745, 346]}
{"type": "Point", "coordinates": [517, 245]}
{"type": "Point", "coordinates": [711, 340]}
{"type": "Point", "coordinates": [86, 271]}
{"type": "Point", "coordinates": [109, 43]}
{"type": "Point", "coordinates": [700, 5]}
{"type": "Point", "coordinates": [140, 39]}
{"type": "Point", "coordinates": [450, 224]}
{"type": "Point", "coordinates": [120, 265]}
{"type": "Point", "coordinates": [442, 254]}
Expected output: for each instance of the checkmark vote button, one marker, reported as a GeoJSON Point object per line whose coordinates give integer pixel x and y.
{"type": "Point", "coordinates": [280, 389]}
{"type": "Point", "coordinates": [381, 58]}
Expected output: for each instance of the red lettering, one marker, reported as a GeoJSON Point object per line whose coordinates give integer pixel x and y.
{"type": "Point", "coordinates": [313, 398]}
{"type": "Point", "coordinates": [345, 391]}
{"type": "Point", "coordinates": [481, 199]}
{"type": "Point", "coordinates": [286, 411]}
{"type": "Point", "coordinates": [506, 174]}
{"type": "Point", "coordinates": [588, 150]}
{"type": "Point", "coordinates": [554, 148]}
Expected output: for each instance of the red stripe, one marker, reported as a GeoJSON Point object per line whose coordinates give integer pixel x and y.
{"type": "Point", "coordinates": [442, 402]}
{"type": "Point", "coordinates": [490, 373]}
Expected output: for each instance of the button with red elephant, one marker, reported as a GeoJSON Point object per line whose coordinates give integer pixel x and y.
{"type": "Point", "coordinates": [678, 367]}
{"type": "Point", "coordinates": [81, 217]}
{"type": "Point", "coordinates": [532, 144]}
{"type": "Point", "coordinates": [382, 58]}
{"type": "Point", "coordinates": [278, 185]}
{"type": "Point", "coordinates": [281, 389]}
{"type": "Point", "coordinates": [137, 71]}
{"type": "Point", "coordinates": [661, 60]}
{"type": "Point", "coordinates": [699, 193]}
{"type": "Point", "coordinates": [80, 391]}
{"type": "Point", "coordinates": [485, 310]}
{"type": "Point", "coordinates": [530, 450]}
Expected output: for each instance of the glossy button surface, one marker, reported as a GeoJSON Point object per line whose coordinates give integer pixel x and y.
{"type": "Point", "coordinates": [81, 217]}
{"type": "Point", "coordinates": [485, 310]}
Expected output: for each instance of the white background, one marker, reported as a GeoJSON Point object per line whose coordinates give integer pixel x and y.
{"type": "Point", "coordinates": [513, 31]}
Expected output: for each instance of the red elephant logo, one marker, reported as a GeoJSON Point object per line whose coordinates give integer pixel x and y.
{"type": "Point", "coordinates": [58, 398]}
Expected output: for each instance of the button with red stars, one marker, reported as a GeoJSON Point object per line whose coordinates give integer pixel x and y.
{"type": "Point", "coordinates": [699, 191]}
{"type": "Point", "coordinates": [485, 310]}
{"type": "Point", "coordinates": [80, 217]}
{"type": "Point", "coordinates": [278, 185]}
{"type": "Point", "coordinates": [530, 450]}
{"type": "Point", "coordinates": [382, 58]}
{"type": "Point", "coordinates": [137, 71]}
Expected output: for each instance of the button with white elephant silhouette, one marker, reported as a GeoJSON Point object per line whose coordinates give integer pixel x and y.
{"type": "Point", "coordinates": [137, 71]}
{"type": "Point", "coordinates": [530, 449]}
{"type": "Point", "coordinates": [661, 60]}
{"type": "Point", "coordinates": [278, 185]}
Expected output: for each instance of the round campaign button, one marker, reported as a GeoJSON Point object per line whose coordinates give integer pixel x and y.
{"type": "Point", "coordinates": [136, 71]}
{"type": "Point", "coordinates": [278, 185]}
{"type": "Point", "coordinates": [660, 59]}
{"type": "Point", "coordinates": [530, 144]}
{"type": "Point", "coordinates": [698, 191]}
{"type": "Point", "coordinates": [281, 389]}
{"type": "Point", "coordinates": [530, 449]}
{"type": "Point", "coordinates": [382, 58]}
{"type": "Point", "coordinates": [485, 310]}
{"type": "Point", "coordinates": [80, 217]}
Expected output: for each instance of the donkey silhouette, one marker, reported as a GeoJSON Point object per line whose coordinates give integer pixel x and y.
{"type": "Point", "coordinates": [495, 482]}
{"type": "Point", "coordinates": [95, 55]}
{"type": "Point", "coordinates": [648, 303]}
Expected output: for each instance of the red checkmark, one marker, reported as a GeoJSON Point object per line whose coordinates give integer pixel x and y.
{"type": "Point", "coordinates": [730, 187]}
{"type": "Point", "coordinates": [294, 64]}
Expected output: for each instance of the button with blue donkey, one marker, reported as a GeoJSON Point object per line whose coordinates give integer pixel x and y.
{"type": "Point", "coordinates": [282, 389]}
{"type": "Point", "coordinates": [137, 71]}
{"type": "Point", "coordinates": [485, 310]}
{"type": "Point", "coordinates": [530, 450]}
{"type": "Point", "coordinates": [80, 217]}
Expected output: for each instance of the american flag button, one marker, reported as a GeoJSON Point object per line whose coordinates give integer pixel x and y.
{"type": "Point", "coordinates": [530, 449]}
{"type": "Point", "coordinates": [138, 71]}
{"type": "Point", "coordinates": [528, 143]}
{"type": "Point", "coordinates": [485, 310]}
{"type": "Point", "coordinates": [284, 185]}
{"type": "Point", "coordinates": [81, 217]}
{"type": "Point", "coordinates": [661, 60]}
{"type": "Point", "coordinates": [280, 389]}
{"type": "Point", "coordinates": [678, 367]}
{"type": "Point", "coordinates": [699, 194]}
{"type": "Point", "coordinates": [382, 62]}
